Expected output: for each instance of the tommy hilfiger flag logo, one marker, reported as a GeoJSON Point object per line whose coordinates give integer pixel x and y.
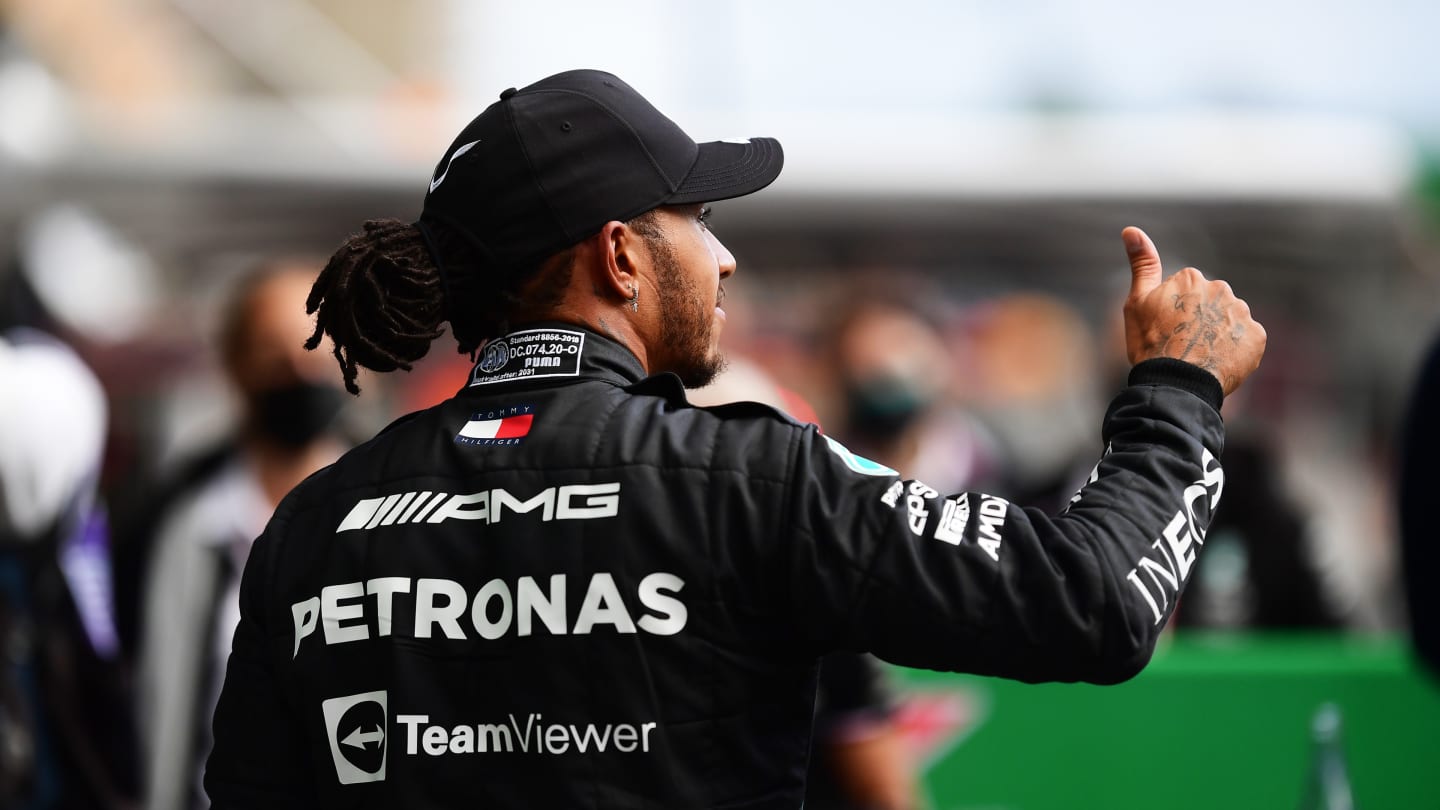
{"type": "Point", "coordinates": [508, 425]}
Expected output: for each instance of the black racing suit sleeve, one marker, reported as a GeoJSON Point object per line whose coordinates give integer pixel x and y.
{"type": "Point", "coordinates": [971, 583]}
{"type": "Point", "coordinates": [259, 758]}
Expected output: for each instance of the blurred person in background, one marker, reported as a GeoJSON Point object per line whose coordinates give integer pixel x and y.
{"type": "Point", "coordinates": [1260, 568]}
{"type": "Point", "coordinates": [858, 758]}
{"type": "Point", "coordinates": [1419, 482]}
{"type": "Point", "coordinates": [289, 426]}
{"type": "Point", "coordinates": [65, 732]}
{"type": "Point", "coordinates": [1031, 376]}
{"type": "Point", "coordinates": [894, 373]}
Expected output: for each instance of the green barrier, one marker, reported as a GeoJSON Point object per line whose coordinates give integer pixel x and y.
{"type": "Point", "coordinates": [1213, 722]}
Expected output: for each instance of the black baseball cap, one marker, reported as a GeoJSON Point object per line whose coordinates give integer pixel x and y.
{"type": "Point", "coordinates": [547, 165]}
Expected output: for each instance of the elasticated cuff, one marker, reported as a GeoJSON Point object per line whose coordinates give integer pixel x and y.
{"type": "Point", "coordinates": [1179, 374]}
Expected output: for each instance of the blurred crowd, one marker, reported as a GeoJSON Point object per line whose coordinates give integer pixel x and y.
{"type": "Point", "coordinates": [123, 534]}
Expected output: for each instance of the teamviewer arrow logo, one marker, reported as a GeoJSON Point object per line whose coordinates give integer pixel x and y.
{"type": "Point", "coordinates": [356, 729]}
{"type": "Point", "coordinates": [362, 741]}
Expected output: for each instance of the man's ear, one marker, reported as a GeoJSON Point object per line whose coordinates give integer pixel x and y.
{"type": "Point", "coordinates": [622, 254]}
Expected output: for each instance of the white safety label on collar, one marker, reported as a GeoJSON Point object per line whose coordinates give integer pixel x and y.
{"type": "Point", "coordinates": [530, 354]}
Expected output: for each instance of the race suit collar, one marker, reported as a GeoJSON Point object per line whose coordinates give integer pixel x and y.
{"type": "Point", "coordinates": [554, 352]}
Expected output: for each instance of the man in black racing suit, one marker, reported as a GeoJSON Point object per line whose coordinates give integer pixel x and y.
{"type": "Point", "coordinates": [567, 587]}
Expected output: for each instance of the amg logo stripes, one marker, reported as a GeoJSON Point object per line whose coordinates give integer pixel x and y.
{"type": "Point", "coordinates": [565, 502]}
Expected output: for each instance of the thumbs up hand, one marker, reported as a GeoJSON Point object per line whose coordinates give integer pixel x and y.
{"type": "Point", "coordinates": [1187, 317]}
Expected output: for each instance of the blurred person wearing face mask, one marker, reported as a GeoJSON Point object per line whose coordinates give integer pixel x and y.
{"type": "Point", "coordinates": [894, 373]}
{"type": "Point", "coordinates": [1030, 361]}
{"type": "Point", "coordinates": [289, 426]}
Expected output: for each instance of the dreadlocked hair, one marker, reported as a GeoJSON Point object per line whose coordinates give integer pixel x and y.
{"type": "Point", "coordinates": [381, 299]}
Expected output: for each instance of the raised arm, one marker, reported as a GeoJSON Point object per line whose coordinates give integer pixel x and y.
{"type": "Point", "coordinates": [970, 582]}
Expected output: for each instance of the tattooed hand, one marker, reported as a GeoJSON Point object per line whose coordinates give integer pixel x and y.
{"type": "Point", "coordinates": [1187, 317]}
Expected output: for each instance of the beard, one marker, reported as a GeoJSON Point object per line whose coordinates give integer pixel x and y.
{"type": "Point", "coordinates": [686, 323]}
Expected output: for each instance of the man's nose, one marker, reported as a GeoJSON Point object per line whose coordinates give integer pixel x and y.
{"type": "Point", "coordinates": [723, 256]}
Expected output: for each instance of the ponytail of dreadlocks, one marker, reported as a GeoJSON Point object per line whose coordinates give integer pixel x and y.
{"type": "Point", "coordinates": [379, 299]}
{"type": "Point", "coordinates": [382, 302]}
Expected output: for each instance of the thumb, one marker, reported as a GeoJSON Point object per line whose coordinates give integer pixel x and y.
{"type": "Point", "coordinates": [1144, 262]}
